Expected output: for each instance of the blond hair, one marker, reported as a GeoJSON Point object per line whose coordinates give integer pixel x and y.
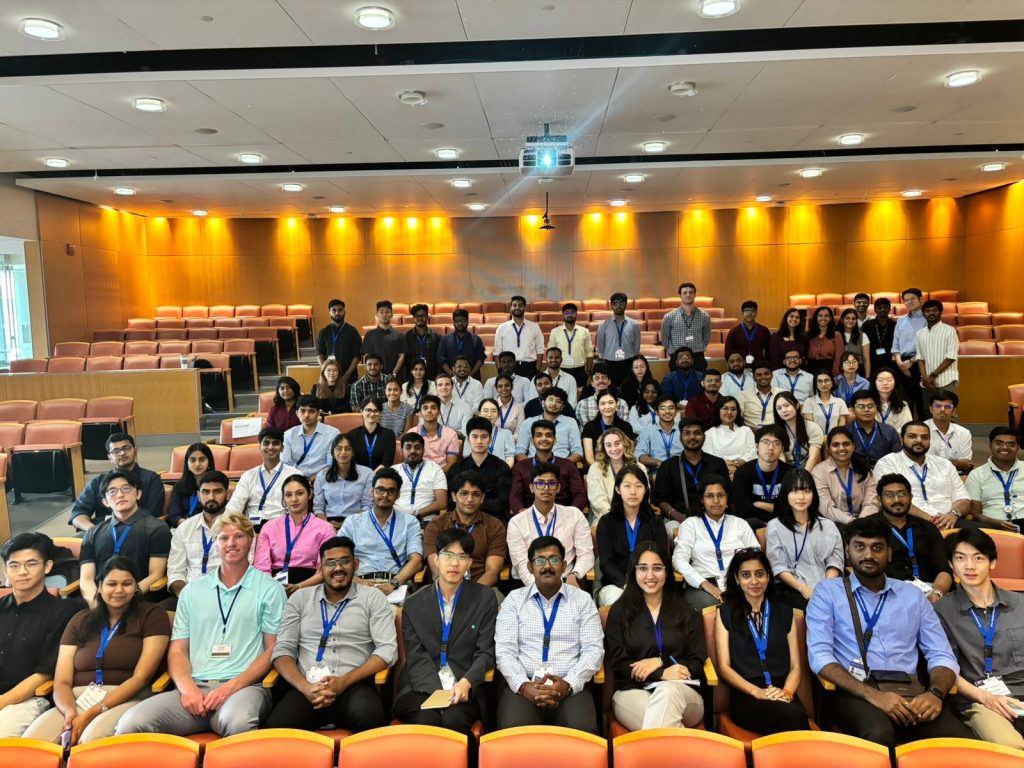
{"type": "Point", "coordinates": [238, 520]}
{"type": "Point", "coordinates": [628, 448]}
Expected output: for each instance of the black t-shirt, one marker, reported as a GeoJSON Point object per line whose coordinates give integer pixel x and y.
{"type": "Point", "coordinates": [343, 343]}
{"type": "Point", "coordinates": [928, 548]}
{"type": "Point", "coordinates": [592, 428]}
{"type": "Point", "coordinates": [30, 636]}
{"type": "Point", "coordinates": [146, 537]}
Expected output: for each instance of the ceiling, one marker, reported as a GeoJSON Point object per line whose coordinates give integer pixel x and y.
{"type": "Point", "coordinates": [758, 116]}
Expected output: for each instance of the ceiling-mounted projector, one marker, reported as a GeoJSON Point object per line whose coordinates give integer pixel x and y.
{"type": "Point", "coordinates": [547, 155]}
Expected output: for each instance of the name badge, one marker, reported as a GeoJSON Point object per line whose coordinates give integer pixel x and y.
{"type": "Point", "coordinates": [282, 577]}
{"type": "Point", "coordinates": [857, 671]}
{"type": "Point", "coordinates": [90, 697]}
{"type": "Point", "coordinates": [221, 650]}
{"type": "Point", "coordinates": [750, 359]}
{"type": "Point", "coordinates": [447, 677]}
{"type": "Point", "coordinates": [317, 672]}
{"type": "Point", "coordinates": [689, 338]}
{"type": "Point", "coordinates": [883, 351]}
{"type": "Point", "coordinates": [620, 354]}
{"type": "Point", "coordinates": [924, 586]}
{"type": "Point", "coordinates": [994, 685]}
{"type": "Point", "coordinates": [684, 403]}
{"type": "Point", "coordinates": [544, 670]}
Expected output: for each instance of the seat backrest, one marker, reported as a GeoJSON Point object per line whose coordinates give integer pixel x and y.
{"type": "Point", "coordinates": [62, 408]}
{"type": "Point", "coordinates": [1009, 332]}
{"type": "Point", "coordinates": [207, 345]}
{"type": "Point", "coordinates": [273, 310]}
{"type": "Point", "coordinates": [217, 360]}
{"type": "Point", "coordinates": [262, 334]}
{"type": "Point", "coordinates": [281, 322]}
{"type": "Point", "coordinates": [195, 310]}
{"type": "Point", "coordinates": [244, 457]}
{"type": "Point", "coordinates": [65, 365]}
{"type": "Point", "coordinates": [103, 363]}
{"type": "Point", "coordinates": [136, 749]}
{"type": "Point", "coordinates": [1009, 553]}
{"type": "Point", "coordinates": [785, 750]}
{"type": "Point", "coordinates": [105, 348]}
{"type": "Point", "coordinates": [17, 410]}
{"type": "Point", "coordinates": [344, 422]}
{"type": "Point", "coordinates": [141, 362]}
{"type": "Point", "coordinates": [71, 349]}
{"type": "Point", "coordinates": [174, 347]}
{"type": "Point", "coordinates": [828, 299]}
{"type": "Point", "coordinates": [108, 334]}
{"type": "Point", "coordinates": [142, 323]}
{"type": "Point", "coordinates": [972, 308]}
{"type": "Point", "coordinates": [941, 753]}
{"type": "Point", "coordinates": [266, 400]}
{"type": "Point", "coordinates": [968, 332]}
{"type": "Point", "coordinates": [255, 322]}
{"type": "Point", "coordinates": [199, 322]}
{"type": "Point", "coordinates": [228, 321]}
{"type": "Point", "coordinates": [971, 320]}
{"type": "Point", "coordinates": [170, 323]}
{"type": "Point", "coordinates": [168, 310]}
{"type": "Point", "coordinates": [141, 347]}
{"type": "Point", "coordinates": [300, 310]}
{"type": "Point", "coordinates": [139, 335]}
{"type": "Point", "coordinates": [422, 745]}
{"type": "Point", "coordinates": [232, 333]}
{"type": "Point", "coordinates": [174, 361]}
{"type": "Point", "coordinates": [28, 365]}
{"type": "Point", "coordinates": [562, 746]}
{"type": "Point", "coordinates": [647, 302]}
{"type": "Point", "coordinates": [203, 333]}
{"type": "Point", "coordinates": [644, 749]}
{"type": "Point", "coordinates": [977, 347]}
{"type": "Point", "coordinates": [30, 753]}
{"type": "Point", "coordinates": [271, 747]}
{"type": "Point", "coordinates": [1013, 348]}
{"type": "Point", "coordinates": [944, 295]}
{"type": "Point", "coordinates": [59, 431]}
{"type": "Point", "coordinates": [11, 434]}
{"type": "Point", "coordinates": [111, 406]}
{"type": "Point", "coordinates": [239, 347]}
{"type": "Point", "coordinates": [222, 310]}
{"type": "Point", "coordinates": [247, 310]}
{"type": "Point", "coordinates": [227, 436]}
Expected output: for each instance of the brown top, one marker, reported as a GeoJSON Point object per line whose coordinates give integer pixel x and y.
{"type": "Point", "coordinates": [488, 539]}
{"type": "Point", "coordinates": [124, 649]}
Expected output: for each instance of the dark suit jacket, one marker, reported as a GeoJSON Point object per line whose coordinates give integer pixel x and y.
{"type": "Point", "coordinates": [470, 645]}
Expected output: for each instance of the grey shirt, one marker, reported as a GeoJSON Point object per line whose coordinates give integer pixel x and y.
{"type": "Point", "coordinates": [821, 548]}
{"type": "Point", "coordinates": [608, 339]}
{"type": "Point", "coordinates": [365, 627]}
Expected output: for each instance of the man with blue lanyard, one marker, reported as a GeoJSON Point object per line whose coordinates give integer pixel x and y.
{"type": "Point", "coordinates": [421, 341]}
{"type": "Point", "coordinates": [872, 440]}
{"type": "Point", "coordinates": [737, 378]}
{"type": "Point", "coordinates": [756, 485]}
{"type": "Point", "coordinates": [756, 403]}
{"type": "Point", "coordinates": [790, 378]}
{"type": "Point", "coordinates": [904, 349]}
{"type": "Point", "coordinates": [568, 444]}
{"type": "Point", "coordinates": [307, 447]}
{"type": "Point", "coordinates": [333, 639]}
{"type": "Point", "coordinates": [340, 341]}
{"type": "Point", "coordinates": [659, 442]}
{"type": "Point", "coordinates": [258, 492]}
{"type": "Point", "coordinates": [224, 633]}
{"type": "Point", "coordinates": [549, 645]}
{"type": "Point", "coordinates": [675, 486]}
{"type": "Point", "coordinates": [996, 487]}
{"type": "Point", "coordinates": [618, 339]}
{"type": "Point", "coordinates": [683, 383]}
{"type": "Point", "coordinates": [866, 634]}
{"type": "Point", "coordinates": [425, 487]}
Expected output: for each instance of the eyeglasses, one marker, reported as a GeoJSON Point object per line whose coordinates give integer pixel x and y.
{"type": "Point", "coordinates": [552, 484]}
{"type": "Point", "coordinates": [469, 494]}
{"type": "Point", "coordinates": [385, 491]}
{"type": "Point", "coordinates": [338, 562]}
{"type": "Point", "coordinates": [370, 410]}
{"type": "Point", "coordinates": [747, 552]}
{"type": "Point", "coordinates": [863, 406]}
{"type": "Point", "coordinates": [943, 406]}
{"type": "Point", "coordinates": [770, 443]}
{"type": "Point", "coordinates": [121, 490]}
{"type": "Point", "coordinates": [540, 562]}
{"type": "Point", "coordinates": [1005, 443]}
{"type": "Point", "coordinates": [894, 494]}
{"type": "Point", "coordinates": [716, 496]}
{"type": "Point", "coordinates": [451, 557]}
{"type": "Point", "coordinates": [122, 449]}
{"type": "Point", "coordinates": [28, 565]}
{"type": "Point", "coordinates": [657, 570]}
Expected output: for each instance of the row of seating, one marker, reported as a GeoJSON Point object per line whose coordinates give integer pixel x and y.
{"type": "Point", "coordinates": [45, 456]}
{"type": "Point", "coordinates": [988, 332]}
{"type": "Point", "coordinates": [97, 410]}
{"type": "Point", "coordinates": [819, 299]}
{"type": "Point", "coordinates": [229, 310]}
{"type": "Point", "coordinates": [126, 363]}
{"type": "Point", "coordinates": [167, 347]}
{"type": "Point", "coordinates": [147, 323]}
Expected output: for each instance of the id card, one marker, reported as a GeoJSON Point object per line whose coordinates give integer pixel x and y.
{"type": "Point", "coordinates": [924, 586]}
{"type": "Point", "coordinates": [689, 338]}
{"type": "Point", "coordinates": [620, 354]}
{"type": "Point", "coordinates": [447, 677]}
{"type": "Point", "coordinates": [994, 685]}
{"type": "Point", "coordinates": [282, 577]}
{"type": "Point", "coordinates": [221, 650]}
{"type": "Point", "coordinates": [749, 359]}
{"type": "Point", "coordinates": [90, 697]}
{"type": "Point", "coordinates": [857, 670]}
{"type": "Point", "coordinates": [544, 670]}
{"type": "Point", "coordinates": [317, 672]}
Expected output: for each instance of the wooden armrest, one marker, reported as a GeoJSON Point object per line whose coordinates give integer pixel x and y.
{"type": "Point", "coordinates": [160, 583]}
{"type": "Point", "coordinates": [161, 684]}
{"type": "Point", "coordinates": [599, 677]}
{"type": "Point", "coordinates": [678, 576]}
{"type": "Point", "coordinates": [70, 589]}
{"type": "Point", "coordinates": [489, 675]}
{"type": "Point", "coordinates": [826, 684]}
{"type": "Point", "coordinates": [382, 677]}
{"type": "Point", "coordinates": [419, 576]}
{"type": "Point", "coordinates": [591, 575]}
{"type": "Point", "coordinates": [271, 679]}
{"type": "Point", "coordinates": [710, 673]}
{"type": "Point", "coordinates": [45, 689]}
{"type": "Point", "coordinates": [506, 573]}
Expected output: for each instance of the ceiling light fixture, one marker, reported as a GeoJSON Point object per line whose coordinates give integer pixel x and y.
{"type": "Point", "coordinates": [477, 207]}
{"type": "Point", "coordinates": [446, 153]}
{"type": "Point", "coordinates": [810, 173]}
{"type": "Point", "coordinates": [616, 203]}
{"type": "Point", "coordinates": [716, 9]}
{"type": "Point", "coordinates": [634, 178]}
{"type": "Point", "coordinates": [963, 78]}
{"type": "Point", "coordinates": [292, 187]}
{"type": "Point", "coordinates": [337, 209]}
{"type": "Point", "coordinates": [993, 167]}
{"type": "Point", "coordinates": [124, 191]}
{"type": "Point", "coordinates": [911, 193]}
{"type": "Point", "coordinates": [149, 104]}
{"type": "Point", "coordinates": [198, 212]}
{"type": "Point", "coordinates": [683, 89]}
{"type": "Point", "coordinates": [653, 147]}
{"type": "Point", "coordinates": [41, 29]}
{"type": "Point", "coordinates": [56, 162]}
{"type": "Point", "coordinates": [763, 198]}
{"type": "Point", "coordinates": [461, 183]}
{"type": "Point", "coordinates": [375, 18]}
{"type": "Point", "coordinates": [413, 98]}
{"type": "Point", "coordinates": [250, 158]}
{"type": "Point", "coordinates": [850, 139]}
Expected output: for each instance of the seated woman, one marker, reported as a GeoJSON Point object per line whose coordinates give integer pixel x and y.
{"type": "Point", "coordinates": [614, 451]}
{"type": "Point", "coordinates": [652, 636]}
{"type": "Point", "coordinates": [846, 487]}
{"type": "Point", "coordinates": [629, 522]}
{"type": "Point", "coordinates": [823, 407]}
{"type": "Point", "coordinates": [752, 625]}
{"type": "Point", "coordinates": [503, 445]}
{"type": "Point", "coordinates": [606, 419]}
{"type": "Point", "coordinates": [803, 547]}
{"type": "Point", "coordinates": [727, 437]}
{"type": "Point", "coordinates": [631, 390]}
{"type": "Point", "coordinates": [184, 500]}
{"type": "Point", "coordinates": [288, 547]}
{"type": "Point", "coordinates": [396, 415]}
{"type": "Point", "coordinates": [108, 658]}
{"type": "Point", "coordinates": [706, 543]}
{"type": "Point", "coordinates": [343, 488]}
{"type": "Point", "coordinates": [849, 381]}
{"type": "Point", "coordinates": [893, 408]}
{"type": "Point", "coordinates": [374, 445]}
{"type": "Point", "coordinates": [510, 413]}
{"type": "Point", "coordinates": [644, 414]}
{"type": "Point", "coordinates": [418, 385]}
{"type": "Point", "coordinates": [330, 390]}
{"type": "Point", "coordinates": [804, 439]}
{"type": "Point", "coordinates": [282, 413]}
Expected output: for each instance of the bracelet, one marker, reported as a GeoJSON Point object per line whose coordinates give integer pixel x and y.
{"type": "Point", "coordinates": [788, 693]}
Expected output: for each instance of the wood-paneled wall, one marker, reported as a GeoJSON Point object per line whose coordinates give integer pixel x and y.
{"type": "Point", "coordinates": [994, 247]}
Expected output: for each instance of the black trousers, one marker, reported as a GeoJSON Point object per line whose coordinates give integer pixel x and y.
{"type": "Point", "coordinates": [618, 370]}
{"type": "Point", "coordinates": [359, 708]}
{"type": "Point", "coordinates": [580, 374]}
{"type": "Point", "coordinates": [577, 712]}
{"type": "Point", "coordinates": [527, 369]}
{"type": "Point", "coordinates": [912, 390]}
{"type": "Point", "coordinates": [856, 717]}
{"type": "Point", "coordinates": [766, 717]}
{"type": "Point", "coordinates": [459, 718]}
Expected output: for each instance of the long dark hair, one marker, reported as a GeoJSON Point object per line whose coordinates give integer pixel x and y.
{"type": "Point", "coordinates": [674, 608]}
{"type": "Point", "coordinates": [798, 333]}
{"type": "Point", "coordinates": [814, 330]}
{"type": "Point", "coordinates": [100, 615]}
{"type": "Point", "coordinates": [716, 414]}
{"type": "Point", "coordinates": [617, 509]}
{"type": "Point", "coordinates": [797, 480]}
{"type": "Point", "coordinates": [278, 400]}
{"type": "Point", "coordinates": [856, 335]}
{"type": "Point", "coordinates": [331, 476]}
{"type": "Point", "coordinates": [643, 408]}
{"type": "Point", "coordinates": [305, 483]}
{"type": "Point", "coordinates": [857, 462]}
{"type": "Point", "coordinates": [425, 388]}
{"type": "Point", "coordinates": [897, 399]}
{"type": "Point", "coordinates": [188, 483]}
{"type": "Point", "coordinates": [801, 422]}
{"type": "Point", "coordinates": [733, 598]}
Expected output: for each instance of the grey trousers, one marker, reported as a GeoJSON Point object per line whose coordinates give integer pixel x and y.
{"type": "Point", "coordinates": [163, 713]}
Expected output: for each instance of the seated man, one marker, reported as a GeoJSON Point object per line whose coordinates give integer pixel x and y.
{"type": "Point", "coordinates": [333, 639]}
{"type": "Point", "coordinates": [468, 390]}
{"type": "Point", "coordinates": [942, 498]}
{"type": "Point", "coordinates": [897, 626]}
{"type": "Point", "coordinates": [307, 447]}
{"type": "Point", "coordinates": [675, 486]}
{"type": "Point", "coordinates": [703, 405]}
{"type": "Point", "coordinates": [791, 377]}
{"type": "Point", "coordinates": [660, 442]}
{"type": "Point", "coordinates": [990, 687]}
{"type": "Point", "coordinates": [489, 537]}
{"type": "Point", "coordinates": [756, 403]}
{"type": "Point", "coordinates": [258, 492]}
{"type": "Point", "coordinates": [89, 509]}
{"type": "Point", "coordinates": [683, 383]}
{"type": "Point", "coordinates": [129, 532]}
{"type": "Point", "coordinates": [522, 389]}
{"type": "Point", "coordinates": [452, 412]}
{"type": "Point", "coordinates": [389, 543]}
{"type": "Point", "coordinates": [494, 473]}
{"type": "Point", "coordinates": [535, 407]}
{"type": "Point", "coordinates": [31, 624]}
{"type": "Point", "coordinates": [440, 444]}
{"type": "Point", "coordinates": [571, 491]}
{"type": "Point", "coordinates": [871, 438]}
{"type": "Point", "coordinates": [568, 444]}
{"type": "Point", "coordinates": [373, 382]}
{"type": "Point", "coordinates": [224, 632]}
{"type": "Point", "coordinates": [996, 488]}
{"type": "Point", "coordinates": [756, 485]}
{"type": "Point", "coordinates": [600, 380]}
{"type": "Point", "coordinates": [426, 491]}
{"type": "Point", "coordinates": [546, 518]}
{"type": "Point", "coordinates": [916, 550]}
{"type": "Point", "coordinates": [949, 440]}
{"type": "Point", "coordinates": [549, 645]}
{"type": "Point", "coordinates": [448, 634]}
{"type": "Point", "coordinates": [736, 380]}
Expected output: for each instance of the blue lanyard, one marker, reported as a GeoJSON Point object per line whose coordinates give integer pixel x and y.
{"type": "Point", "coordinates": [631, 533]}
{"type": "Point", "coordinates": [799, 551]}
{"type": "Point", "coordinates": [455, 524]}
{"type": "Point", "coordinates": [446, 626]}
{"type": "Point", "coordinates": [421, 343]}
{"type": "Point", "coordinates": [847, 488]}
{"type": "Point", "coordinates": [870, 620]}
{"type": "Point", "coordinates": [388, 537]}
{"type": "Point", "coordinates": [494, 441]}
{"type": "Point", "coordinates": [619, 329]}
{"type": "Point", "coordinates": [1007, 487]}
{"type": "Point", "coordinates": [668, 443]}
{"type": "Point", "coordinates": [118, 539]}
{"type": "Point", "coordinates": [740, 382]}
{"type": "Point", "coordinates": [462, 394]}
{"type": "Point", "coordinates": [415, 479]}
{"type": "Point", "coordinates": [289, 542]}
{"type": "Point", "coordinates": [750, 337]}
{"type": "Point", "coordinates": [107, 634]}
{"type": "Point", "coordinates": [226, 617]}
{"type": "Point", "coordinates": [549, 622]}
{"type": "Point", "coordinates": [909, 544]}
{"type": "Point", "coordinates": [657, 632]}
{"type": "Point", "coordinates": [716, 541]}
{"type": "Point", "coordinates": [370, 447]}
{"type": "Point", "coordinates": [764, 404]}
{"type": "Point", "coordinates": [761, 640]}
{"type": "Point", "coordinates": [550, 529]}
{"type": "Point", "coordinates": [207, 545]}
{"type": "Point", "coordinates": [504, 416]}
{"type": "Point", "coordinates": [460, 343]}
{"type": "Point", "coordinates": [693, 472]}
{"type": "Point", "coordinates": [518, 329]}
{"type": "Point", "coordinates": [266, 488]}
{"type": "Point", "coordinates": [771, 492]}
{"type": "Point", "coordinates": [886, 413]}
{"type": "Point", "coordinates": [306, 445]}
{"type": "Point", "coordinates": [948, 443]}
{"type": "Point", "coordinates": [687, 380]}
{"type": "Point", "coordinates": [827, 414]}
{"type": "Point", "coordinates": [569, 338]}
{"type": "Point", "coordinates": [866, 445]}
{"type": "Point", "coordinates": [988, 634]}
{"type": "Point", "coordinates": [328, 625]}
{"type": "Point", "coordinates": [796, 447]}
{"type": "Point", "coordinates": [793, 382]}
{"type": "Point", "coordinates": [334, 336]}
{"type": "Point", "coordinates": [922, 478]}
{"type": "Point", "coordinates": [193, 502]}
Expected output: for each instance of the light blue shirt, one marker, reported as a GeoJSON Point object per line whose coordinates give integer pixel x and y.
{"type": "Point", "coordinates": [503, 445]}
{"type": "Point", "coordinates": [317, 448]}
{"type": "Point", "coordinates": [652, 442]}
{"type": "Point", "coordinates": [343, 497]}
{"type": "Point", "coordinates": [908, 623]}
{"type": "Point", "coordinates": [801, 385]}
{"type": "Point", "coordinates": [372, 550]}
{"type": "Point", "coordinates": [567, 437]}
{"type": "Point", "coordinates": [608, 339]}
{"type": "Point", "coordinates": [256, 611]}
{"type": "Point", "coordinates": [904, 338]}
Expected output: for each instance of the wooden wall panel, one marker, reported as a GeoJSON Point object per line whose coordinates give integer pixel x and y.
{"type": "Point", "coordinates": [880, 265]}
{"type": "Point", "coordinates": [177, 280]}
{"type": "Point", "coordinates": [65, 298]}
{"type": "Point", "coordinates": [816, 267]}
{"type": "Point", "coordinates": [102, 287]}
{"type": "Point", "coordinates": [940, 258]}
{"type": "Point", "coordinates": [339, 235]}
{"type": "Point", "coordinates": [943, 217]}
{"type": "Point", "coordinates": [598, 273]}
{"type": "Point", "coordinates": [757, 225]}
{"type": "Point", "coordinates": [173, 237]}
{"type": "Point", "coordinates": [547, 275]}
{"type": "Point", "coordinates": [881, 220]}
{"type": "Point", "coordinates": [58, 219]}
{"type": "Point", "coordinates": [229, 279]}
{"type": "Point", "coordinates": [345, 277]}
{"type": "Point", "coordinates": [991, 267]}
{"type": "Point", "coordinates": [134, 286]}
{"type": "Point", "coordinates": [816, 223]}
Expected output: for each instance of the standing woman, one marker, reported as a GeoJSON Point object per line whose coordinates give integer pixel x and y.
{"type": "Point", "coordinates": [282, 413]}
{"type": "Point", "coordinates": [727, 437]}
{"type": "Point", "coordinates": [849, 381]}
{"type": "Point", "coordinates": [753, 623]}
{"type": "Point", "coordinates": [804, 439]}
{"type": "Point", "coordinates": [823, 407]}
{"type": "Point", "coordinates": [330, 390]}
{"type": "Point", "coordinates": [855, 341]}
{"type": "Point", "coordinates": [893, 408]}
{"type": "Point", "coordinates": [803, 547]}
{"type": "Point", "coordinates": [418, 385]}
{"type": "Point", "coordinates": [606, 419]}
{"type": "Point", "coordinates": [108, 657]}
{"type": "Point", "coordinates": [846, 488]}
{"type": "Point", "coordinates": [374, 445]}
{"type": "Point", "coordinates": [644, 414]}
{"type": "Point", "coordinates": [288, 547]}
{"type": "Point", "coordinates": [629, 523]}
{"type": "Point", "coordinates": [652, 636]}
{"type": "Point", "coordinates": [510, 413]}
{"type": "Point", "coordinates": [503, 445]}
{"type": "Point", "coordinates": [343, 488]}
{"type": "Point", "coordinates": [824, 345]}
{"type": "Point", "coordinates": [184, 499]}
{"type": "Point", "coordinates": [631, 390]}
{"type": "Point", "coordinates": [790, 336]}
{"type": "Point", "coordinates": [615, 450]}
{"type": "Point", "coordinates": [396, 415]}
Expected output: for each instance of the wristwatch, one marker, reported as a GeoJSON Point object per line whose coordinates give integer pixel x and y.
{"type": "Point", "coordinates": [937, 693]}
{"type": "Point", "coordinates": [394, 582]}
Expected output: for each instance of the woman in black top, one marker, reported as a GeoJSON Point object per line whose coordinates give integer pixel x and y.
{"type": "Point", "coordinates": [761, 697]}
{"type": "Point", "coordinates": [185, 494]}
{"type": "Point", "coordinates": [330, 390]}
{"type": "Point", "coordinates": [653, 636]}
{"type": "Point", "coordinates": [631, 390]}
{"type": "Point", "coordinates": [605, 419]}
{"type": "Point", "coordinates": [374, 445]}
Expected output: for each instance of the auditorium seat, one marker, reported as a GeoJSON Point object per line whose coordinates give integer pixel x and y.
{"type": "Point", "coordinates": [715, 352]}
{"type": "Point", "coordinates": [273, 310]}
{"type": "Point", "coordinates": [203, 333]}
{"type": "Point", "coordinates": [647, 302]}
{"type": "Point", "coordinates": [715, 312]}
{"type": "Point", "coordinates": [30, 753]}
{"type": "Point", "coordinates": [701, 301]}
{"type": "Point", "coordinates": [972, 308]}
{"type": "Point", "coordinates": [170, 334]}
{"type": "Point", "coordinates": [227, 322]}
{"type": "Point", "coordinates": [139, 334]}
{"type": "Point", "coordinates": [945, 295]}
{"type": "Point", "coordinates": [496, 317]}
{"type": "Point", "coordinates": [1015, 404]}
{"type": "Point", "coordinates": [135, 749]}
{"type": "Point", "coordinates": [243, 457]}
{"type": "Point", "coordinates": [473, 307]}
{"type": "Point", "coordinates": [553, 744]}
{"type": "Point", "coordinates": [270, 748]}
{"type": "Point", "coordinates": [11, 434]}
{"type": "Point", "coordinates": [344, 422]}
{"type": "Point", "coordinates": [170, 323]}
{"type": "Point", "coordinates": [482, 328]}
{"type": "Point", "coordinates": [300, 310]}
{"type": "Point", "coordinates": [828, 299]}
{"type": "Point", "coordinates": [1008, 318]}
{"type": "Point", "coordinates": [141, 362]}
{"type": "Point", "coordinates": [174, 347]}
{"type": "Point", "coordinates": [444, 307]}
{"type": "Point", "coordinates": [802, 300]}
{"type": "Point", "coordinates": [28, 365]}
{"type": "Point", "coordinates": [266, 399]}
{"type": "Point", "coordinates": [141, 348]}
{"type": "Point", "coordinates": [247, 310]}
{"type": "Point", "coordinates": [106, 348]}
{"type": "Point", "coordinates": [723, 323]}
{"type": "Point", "coordinates": [222, 310]}
{"type": "Point", "coordinates": [591, 305]}
{"type": "Point", "coordinates": [173, 361]}
{"type": "Point", "coordinates": [168, 311]}
{"type": "Point", "coordinates": [968, 332]}
{"type": "Point", "coordinates": [974, 319]}
{"type": "Point", "coordinates": [18, 410]}
{"type": "Point", "coordinates": [400, 308]}
{"type": "Point", "coordinates": [227, 437]}
{"type": "Point", "coordinates": [941, 753]}
{"type": "Point", "coordinates": [423, 746]}
{"type": "Point", "coordinates": [65, 365]}
{"type": "Point", "coordinates": [106, 363]}
{"type": "Point", "coordinates": [1011, 348]}
{"type": "Point", "coordinates": [108, 414]}
{"type": "Point", "coordinates": [656, 315]}
{"type": "Point", "coordinates": [652, 351]}
{"type": "Point", "coordinates": [474, 318]}
{"type": "Point", "coordinates": [232, 333]}
{"type": "Point", "coordinates": [1009, 332]}
{"type": "Point", "coordinates": [71, 349]}
{"type": "Point", "coordinates": [255, 322]}
{"type": "Point", "coordinates": [975, 347]}
{"type": "Point", "coordinates": [784, 750]}
{"type": "Point", "coordinates": [195, 311]}
{"type": "Point", "coordinates": [494, 306]}
{"type": "Point", "coordinates": [199, 322]}
{"type": "Point", "coordinates": [49, 460]}
{"type": "Point", "coordinates": [676, 748]}
{"type": "Point", "coordinates": [207, 346]}
{"type": "Point", "coordinates": [142, 323]}
{"type": "Point", "coordinates": [221, 459]}
{"type": "Point", "coordinates": [245, 350]}
{"type": "Point", "coordinates": [108, 334]}
{"type": "Point", "coordinates": [892, 296]}
{"type": "Point", "coordinates": [62, 408]}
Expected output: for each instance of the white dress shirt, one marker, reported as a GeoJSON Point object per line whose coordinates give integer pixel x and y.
{"type": "Point", "coordinates": [942, 484]}
{"type": "Point", "coordinates": [694, 555]}
{"type": "Point", "coordinates": [249, 493]}
{"type": "Point", "coordinates": [731, 444]}
{"type": "Point", "coordinates": [569, 526]}
{"type": "Point", "coordinates": [185, 561]}
{"type": "Point", "coordinates": [734, 386]}
{"type": "Point", "coordinates": [957, 443]}
{"type": "Point", "coordinates": [528, 344]}
{"type": "Point", "coordinates": [470, 392]}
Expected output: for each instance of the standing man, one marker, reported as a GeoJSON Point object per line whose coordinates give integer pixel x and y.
{"type": "Point", "coordinates": [340, 341]}
{"type": "Point", "coordinates": [750, 339]}
{"type": "Point", "coordinates": [575, 344]}
{"type": "Point", "coordinates": [996, 487]}
{"type": "Point", "coordinates": [879, 331]}
{"type": "Point", "coordinates": [307, 447]}
{"type": "Point", "coordinates": [386, 342]}
{"type": "Point", "coordinates": [521, 337]}
{"type": "Point", "coordinates": [258, 492]}
{"type": "Point", "coordinates": [904, 348]}
{"type": "Point", "coordinates": [937, 348]}
{"type": "Point", "coordinates": [421, 342]}
{"type": "Point", "coordinates": [687, 326]}
{"type": "Point", "coordinates": [89, 509]}
{"type": "Point", "coordinates": [860, 306]}
{"type": "Point", "coordinates": [461, 343]}
{"type": "Point", "coordinates": [618, 340]}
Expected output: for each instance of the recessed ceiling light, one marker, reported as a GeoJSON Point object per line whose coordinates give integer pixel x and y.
{"type": "Point", "coordinates": [461, 183]}
{"type": "Point", "coordinates": [56, 162]}
{"type": "Point", "coordinates": [653, 147]}
{"type": "Point", "coordinates": [125, 191]}
{"type": "Point", "coordinates": [810, 173]}
{"type": "Point", "coordinates": [147, 104]}
{"type": "Point", "coordinates": [477, 207]}
{"type": "Point", "coordinates": [763, 198]}
{"type": "Point", "coordinates": [446, 153]}
{"type": "Point", "coordinates": [375, 18]}
{"type": "Point", "coordinates": [616, 203]}
{"type": "Point", "coordinates": [250, 158]}
{"type": "Point", "coordinates": [716, 9]}
{"type": "Point", "coordinates": [684, 89]}
{"type": "Point", "coordinates": [911, 193]}
{"type": "Point", "coordinates": [850, 139]}
{"type": "Point", "coordinates": [291, 187]}
{"type": "Point", "coordinates": [337, 209]}
{"type": "Point", "coordinates": [41, 29]}
{"type": "Point", "coordinates": [993, 167]}
{"type": "Point", "coordinates": [198, 212]}
{"type": "Point", "coordinates": [634, 178]}
{"type": "Point", "coordinates": [963, 78]}
{"type": "Point", "coordinates": [413, 98]}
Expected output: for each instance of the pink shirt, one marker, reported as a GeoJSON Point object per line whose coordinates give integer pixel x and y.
{"type": "Point", "coordinates": [438, 448]}
{"type": "Point", "coordinates": [271, 545]}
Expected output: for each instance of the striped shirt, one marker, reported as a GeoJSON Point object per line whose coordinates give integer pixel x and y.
{"type": "Point", "coordinates": [936, 344]}
{"type": "Point", "coordinates": [681, 330]}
